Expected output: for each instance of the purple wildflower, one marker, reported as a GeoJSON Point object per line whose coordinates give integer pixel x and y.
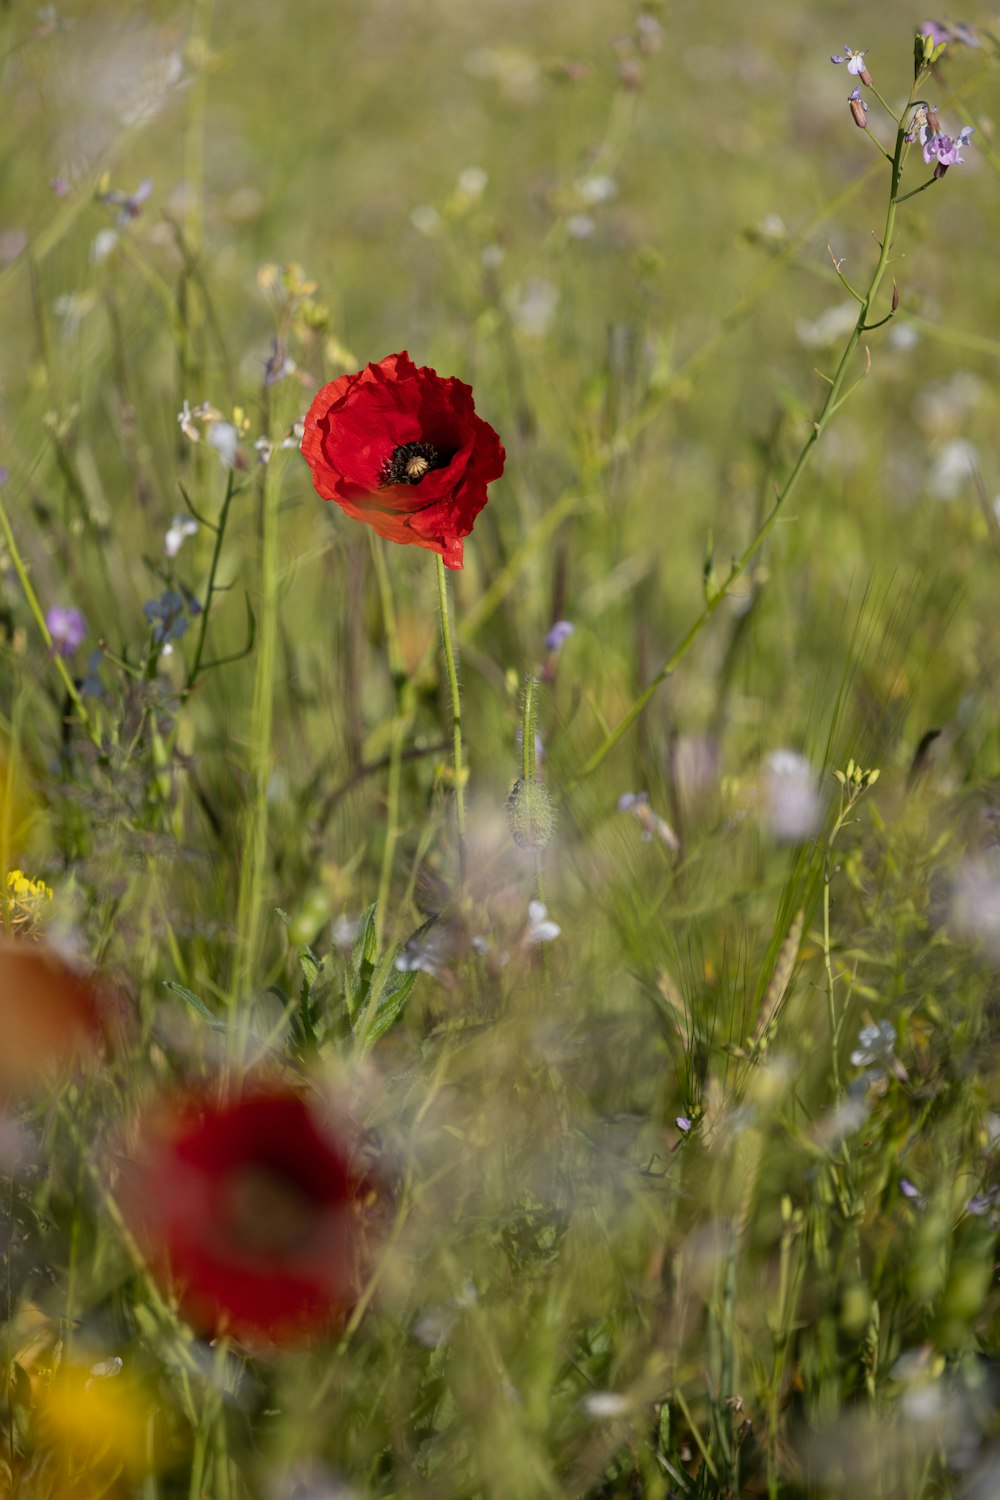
{"type": "Point", "coordinates": [560, 632]}
{"type": "Point", "coordinates": [129, 204]}
{"type": "Point", "coordinates": [167, 618]}
{"type": "Point", "coordinates": [942, 149]}
{"type": "Point", "coordinates": [945, 31]}
{"type": "Point", "coordinates": [4, 475]}
{"type": "Point", "coordinates": [67, 627]}
{"type": "Point", "coordinates": [855, 64]}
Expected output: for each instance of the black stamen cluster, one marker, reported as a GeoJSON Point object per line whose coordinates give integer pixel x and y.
{"type": "Point", "coordinates": [410, 462]}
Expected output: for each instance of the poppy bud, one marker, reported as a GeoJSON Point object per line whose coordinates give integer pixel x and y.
{"type": "Point", "coordinates": [859, 109]}
{"type": "Point", "coordinates": [530, 813]}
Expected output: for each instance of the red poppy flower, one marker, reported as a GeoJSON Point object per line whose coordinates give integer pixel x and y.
{"type": "Point", "coordinates": [51, 1015]}
{"type": "Point", "coordinates": [402, 449]}
{"type": "Point", "coordinates": [256, 1214]}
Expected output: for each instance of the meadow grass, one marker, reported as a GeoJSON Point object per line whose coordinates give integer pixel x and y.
{"type": "Point", "coordinates": [653, 961]}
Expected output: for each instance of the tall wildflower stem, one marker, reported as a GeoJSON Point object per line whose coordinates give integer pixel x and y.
{"type": "Point", "coordinates": [24, 578]}
{"type": "Point", "coordinates": [254, 860]}
{"type": "Point", "coordinates": [451, 665]}
{"type": "Point", "coordinates": [400, 723]}
{"type": "Point", "coordinates": [835, 397]}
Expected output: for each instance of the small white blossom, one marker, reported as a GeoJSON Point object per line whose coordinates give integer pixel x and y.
{"type": "Point", "coordinates": [605, 1405]}
{"type": "Point", "coordinates": [181, 527]}
{"type": "Point", "coordinates": [829, 328]}
{"type": "Point", "coordinates": [343, 931]}
{"type": "Point", "coordinates": [185, 420]}
{"type": "Point", "coordinates": [223, 437]}
{"type": "Point", "coordinates": [955, 465]}
{"type": "Point", "coordinates": [540, 929]}
{"type": "Point", "coordinates": [426, 220]}
{"type": "Point", "coordinates": [533, 307]}
{"type": "Point", "coordinates": [472, 182]}
{"type": "Point", "coordinates": [103, 244]}
{"type": "Point", "coordinates": [599, 189]}
{"type": "Point", "coordinates": [975, 901]}
{"type": "Point", "coordinates": [794, 807]}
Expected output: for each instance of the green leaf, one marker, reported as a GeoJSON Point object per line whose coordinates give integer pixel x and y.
{"type": "Point", "coordinates": [195, 1003]}
{"type": "Point", "coordinates": [391, 1002]}
{"type": "Point", "coordinates": [311, 966]}
{"type": "Point", "coordinates": [362, 963]}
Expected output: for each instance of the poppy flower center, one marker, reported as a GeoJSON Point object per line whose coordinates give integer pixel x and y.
{"type": "Point", "coordinates": [266, 1212]}
{"type": "Point", "coordinates": [411, 461]}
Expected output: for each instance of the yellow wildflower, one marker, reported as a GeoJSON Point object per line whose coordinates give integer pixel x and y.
{"type": "Point", "coordinates": [94, 1421]}
{"type": "Point", "coordinates": [26, 902]}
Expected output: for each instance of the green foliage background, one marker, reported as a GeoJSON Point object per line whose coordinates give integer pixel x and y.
{"type": "Point", "coordinates": [653, 382]}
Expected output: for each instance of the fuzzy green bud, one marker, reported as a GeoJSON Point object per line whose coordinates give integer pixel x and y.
{"type": "Point", "coordinates": [530, 813]}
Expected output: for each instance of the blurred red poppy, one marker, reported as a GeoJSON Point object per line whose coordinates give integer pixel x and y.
{"type": "Point", "coordinates": [51, 1015]}
{"type": "Point", "coordinates": [401, 448]}
{"type": "Point", "coordinates": [256, 1214]}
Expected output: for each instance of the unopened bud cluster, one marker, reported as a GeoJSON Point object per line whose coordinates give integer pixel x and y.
{"type": "Point", "coordinates": [855, 779]}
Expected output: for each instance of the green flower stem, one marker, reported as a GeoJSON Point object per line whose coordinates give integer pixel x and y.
{"type": "Point", "coordinates": [528, 730]}
{"type": "Point", "coordinates": [36, 609]}
{"type": "Point", "coordinates": [210, 587]}
{"type": "Point", "coordinates": [834, 398]}
{"type": "Point", "coordinates": [254, 852]}
{"type": "Point", "coordinates": [456, 712]}
{"type": "Point", "coordinates": [402, 715]}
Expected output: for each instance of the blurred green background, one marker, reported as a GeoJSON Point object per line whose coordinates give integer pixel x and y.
{"type": "Point", "coordinates": [614, 222]}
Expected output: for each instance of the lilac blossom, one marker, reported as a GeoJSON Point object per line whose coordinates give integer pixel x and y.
{"type": "Point", "coordinates": [855, 64]}
{"type": "Point", "coordinates": [943, 150]}
{"type": "Point", "coordinates": [559, 634]}
{"type": "Point", "coordinates": [949, 31]}
{"type": "Point", "coordinates": [129, 204]}
{"type": "Point", "coordinates": [67, 627]}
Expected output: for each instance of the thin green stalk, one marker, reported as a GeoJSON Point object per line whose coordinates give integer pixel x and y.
{"type": "Point", "coordinates": [210, 588]}
{"type": "Point", "coordinates": [833, 400]}
{"type": "Point", "coordinates": [254, 849]}
{"type": "Point", "coordinates": [401, 717]}
{"type": "Point", "coordinates": [831, 1004]}
{"type": "Point", "coordinates": [528, 774]}
{"type": "Point", "coordinates": [456, 713]}
{"type": "Point", "coordinates": [36, 609]}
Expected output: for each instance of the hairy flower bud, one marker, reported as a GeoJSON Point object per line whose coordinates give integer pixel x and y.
{"type": "Point", "coordinates": [530, 813]}
{"type": "Point", "coordinates": [859, 109]}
